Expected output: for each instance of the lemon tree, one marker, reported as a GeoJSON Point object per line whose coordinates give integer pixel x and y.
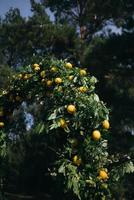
{"type": "Point", "coordinates": [73, 121]}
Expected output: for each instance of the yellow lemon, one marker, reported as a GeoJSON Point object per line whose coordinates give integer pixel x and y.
{"type": "Point", "coordinates": [2, 124]}
{"type": "Point", "coordinates": [77, 160]}
{"type": "Point", "coordinates": [25, 77]}
{"type": "Point", "coordinates": [49, 83]}
{"type": "Point", "coordinates": [96, 135]}
{"type": "Point", "coordinates": [68, 65]}
{"type": "Point", "coordinates": [63, 123]}
{"type": "Point", "coordinates": [103, 174]}
{"type": "Point", "coordinates": [70, 78]}
{"type": "Point", "coordinates": [83, 72]}
{"type": "Point", "coordinates": [105, 124]}
{"type": "Point", "coordinates": [53, 69]}
{"type": "Point", "coordinates": [36, 65]}
{"type": "Point", "coordinates": [42, 74]}
{"type": "Point", "coordinates": [36, 69]}
{"type": "Point", "coordinates": [82, 89]}
{"type": "Point", "coordinates": [20, 76]}
{"type": "Point", "coordinates": [58, 80]}
{"type": "Point", "coordinates": [71, 109]}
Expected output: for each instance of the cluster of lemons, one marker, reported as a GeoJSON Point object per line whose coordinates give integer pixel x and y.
{"type": "Point", "coordinates": [96, 135]}
{"type": "Point", "coordinates": [71, 109]}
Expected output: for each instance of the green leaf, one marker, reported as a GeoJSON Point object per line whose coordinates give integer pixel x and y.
{"type": "Point", "coordinates": [62, 169]}
{"type": "Point", "coordinates": [53, 115]}
{"type": "Point", "coordinates": [41, 128]}
{"type": "Point", "coordinates": [129, 167]}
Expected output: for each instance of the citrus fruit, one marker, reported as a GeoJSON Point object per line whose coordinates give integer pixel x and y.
{"type": "Point", "coordinates": [71, 109]}
{"type": "Point", "coordinates": [58, 80]}
{"type": "Point", "coordinates": [36, 65]}
{"type": "Point", "coordinates": [68, 65]}
{"type": "Point", "coordinates": [53, 69]}
{"type": "Point", "coordinates": [25, 77]}
{"type": "Point", "coordinates": [96, 135]}
{"type": "Point", "coordinates": [82, 89]}
{"type": "Point", "coordinates": [70, 78]}
{"type": "Point", "coordinates": [63, 123]}
{"type": "Point", "coordinates": [103, 174]}
{"type": "Point", "coordinates": [49, 83]}
{"type": "Point", "coordinates": [77, 160]}
{"type": "Point", "coordinates": [105, 124]}
{"type": "Point", "coordinates": [36, 69]}
{"type": "Point", "coordinates": [20, 76]}
{"type": "Point", "coordinates": [42, 74]}
{"type": "Point", "coordinates": [1, 124]}
{"type": "Point", "coordinates": [83, 72]}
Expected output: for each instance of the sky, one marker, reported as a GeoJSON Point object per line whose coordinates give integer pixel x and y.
{"type": "Point", "coordinates": [23, 5]}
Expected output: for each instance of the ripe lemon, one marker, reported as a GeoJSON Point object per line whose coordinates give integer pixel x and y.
{"type": "Point", "coordinates": [49, 83]}
{"type": "Point", "coordinates": [36, 65]}
{"type": "Point", "coordinates": [42, 74]}
{"type": "Point", "coordinates": [71, 109]}
{"type": "Point", "coordinates": [25, 77]}
{"type": "Point", "coordinates": [103, 174]}
{"type": "Point", "coordinates": [82, 89]}
{"type": "Point", "coordinates": [2, 124]}
{"type": "Point", "coordinates": [63, 123]}
{"type": "Point", "coordinates": [58, 80]}
{"type": "Point", "coordinates": [36, 69]}
{"type": "Point", "coordinates": [105, 124]}
{"type": "Point", "coordinates": [83, 72]}
{"type": "Point", "coordinates": [77, 160]}
{"type": "Point", "coordinates": [20, 76]}
{"type": "Point", "coordinates": [96, 135]}
{"type": "Point", "coordinates": [70, 78]}
{"type": "Point", "coordinates": [68, 65]}
{"type": "Point", "coordinates": [53, 69]}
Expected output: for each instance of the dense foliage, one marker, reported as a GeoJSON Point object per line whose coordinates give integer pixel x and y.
{"type": "Point", "coordinates": [74, 125]}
